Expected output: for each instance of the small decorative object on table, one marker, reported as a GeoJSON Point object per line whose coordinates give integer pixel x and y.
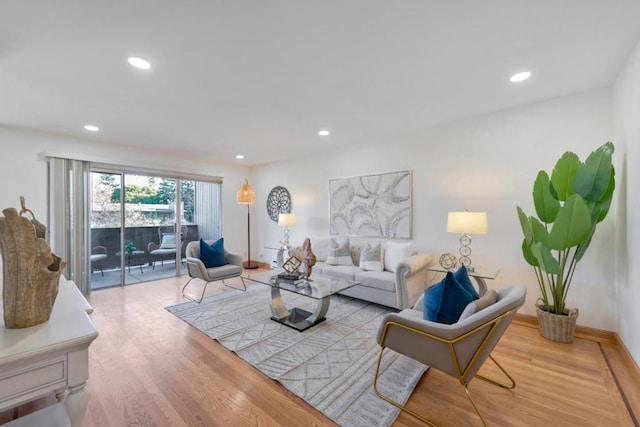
{"type": "Point", "coordinates": [292, 278]}
{"type": "Point", "coordinates": [448, 261]}
{"type": "Point", "coordinates": [129, 247]}
{"type": "Point", "coordinates": [308, 257]}
{"type": "Point", "coordinates": [292, 265]}
{"type": "Point", "coordinates": [31, 272]}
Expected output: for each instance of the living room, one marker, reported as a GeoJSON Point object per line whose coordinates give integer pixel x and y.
{"type": "Point", "coordinates": [479, 161]}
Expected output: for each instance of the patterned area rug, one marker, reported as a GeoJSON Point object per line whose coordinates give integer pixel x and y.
{"type": "Point", "coordinates": [330, 365]}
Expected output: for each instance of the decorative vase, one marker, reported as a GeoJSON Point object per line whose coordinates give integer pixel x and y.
{"type": "Point", "coordinates": [557, 327]}
{"type": "Point", "coordinates": [31, 272]}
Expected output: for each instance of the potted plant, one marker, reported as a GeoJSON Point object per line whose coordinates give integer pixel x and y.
{"type": "Point", "coordinates": [569, 204]}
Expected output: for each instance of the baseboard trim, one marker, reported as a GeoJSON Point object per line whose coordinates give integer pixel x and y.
{"type": "Point", "coordinates": [624, 368]}
{"type": "Point", "coordinates": [583, 332]}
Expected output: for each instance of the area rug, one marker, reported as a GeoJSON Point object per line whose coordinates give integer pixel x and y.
{"type": "Point", "coordinates": [330, 365]}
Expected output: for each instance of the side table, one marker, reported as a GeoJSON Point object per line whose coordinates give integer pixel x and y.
{"type": "Point", "coordinates": [479, 275]}
{"type": "Point", "coordinates": [133, 256]}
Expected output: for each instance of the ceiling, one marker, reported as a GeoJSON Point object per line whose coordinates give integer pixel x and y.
{"type": "Point", "coordinates": [262, 77]}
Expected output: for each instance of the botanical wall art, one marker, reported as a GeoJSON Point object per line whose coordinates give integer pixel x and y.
{"type": "Point", "coordinates": [278, 201]}
{"type": "Point", "coordinates": [371, 205]}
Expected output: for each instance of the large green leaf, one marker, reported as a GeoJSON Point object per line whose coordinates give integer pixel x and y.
{"type": "Point", "coordinates": [545, 259]}
{"type": "Point", "coordinates": [528, 256]}
{"type": "Point", "coordinates": [604, 203]}
{"type": "Point", "coordinates": [547, 206]}
{"type": "Point", "coordinates": [563, 174]}
{"type": "Point", "coordinates": [591, 180]}
{"type": "Point", "coordinates": [582, 247]}
{"type": "Point", "coordinates": [526, 225]}
{"type": "Point", "coordinates": [540, 233]}
{"type": "Point", "coordinates": [572, 225]}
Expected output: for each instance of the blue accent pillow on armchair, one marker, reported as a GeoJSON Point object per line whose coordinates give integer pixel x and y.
{"type": "Point", "coordinates": [212, 256]}
{"type": "Point", "coordinates": [444, 302]}
{"type": "Point", "coordinates": [462, 277]}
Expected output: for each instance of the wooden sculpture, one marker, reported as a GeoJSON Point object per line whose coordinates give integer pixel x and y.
{"type": "Point", "coordinates": [30, 271]}
{"type": "Point", "coordinates": [307, 256]}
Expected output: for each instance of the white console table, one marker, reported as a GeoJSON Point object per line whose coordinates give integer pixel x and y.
{"type": "Point", "coordinates": [52, 357]}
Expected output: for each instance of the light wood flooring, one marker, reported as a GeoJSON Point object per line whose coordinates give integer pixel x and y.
{"type": "Point", "coordinates": [149, 368]}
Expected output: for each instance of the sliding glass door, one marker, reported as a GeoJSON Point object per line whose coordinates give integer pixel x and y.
{"type": "Point", "coordinates": [141, 225]}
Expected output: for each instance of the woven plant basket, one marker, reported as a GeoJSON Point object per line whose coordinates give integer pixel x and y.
{"type": "Point", "coordinates": [559, 328]}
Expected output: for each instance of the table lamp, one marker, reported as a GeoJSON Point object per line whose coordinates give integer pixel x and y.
{"type": "Point", "coordinates": [286, 220]}
{"type": "Point", "coordinates": [466, 223]}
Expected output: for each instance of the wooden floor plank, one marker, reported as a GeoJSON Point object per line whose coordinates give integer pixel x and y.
{"type": "Point", "coordinates": [149, 368]}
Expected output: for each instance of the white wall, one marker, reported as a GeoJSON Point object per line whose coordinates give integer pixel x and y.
{"type": "Point", "coordinates": [626, 109]}
{"type": "Point", "coordinates": [24, 172]}
{"type": "Point", "coordinates": [486, 163]}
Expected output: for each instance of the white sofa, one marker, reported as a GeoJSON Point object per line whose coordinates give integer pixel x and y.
{"type": "Point", "coordinates": [399, 288]}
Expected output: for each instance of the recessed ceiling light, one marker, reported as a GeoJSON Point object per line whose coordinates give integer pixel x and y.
{"type": "Point", "coordinates": [239, 156]}
{"type": "Point", "coordinates": [323, 133]}
{"type": "Point", "coordinates": [92, 128]}
{"type": "Point", "coordinates": [520, 76]}
{"type": "Point", "coordinates": [139, 63]}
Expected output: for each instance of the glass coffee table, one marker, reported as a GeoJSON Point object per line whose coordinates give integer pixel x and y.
{"type": "Point", "coordinates": [318, 287]}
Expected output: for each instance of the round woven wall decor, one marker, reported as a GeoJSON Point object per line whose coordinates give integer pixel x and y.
{"type": "Point", "coordinates": [279, 201]}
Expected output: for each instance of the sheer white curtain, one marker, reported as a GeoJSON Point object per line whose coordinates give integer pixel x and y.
{"type": "Point", "coordinates": [208, 211]}
{"type": "Point", "coordinates": [69, 226]}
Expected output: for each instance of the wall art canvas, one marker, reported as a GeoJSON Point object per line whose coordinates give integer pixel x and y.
{"type": "Point", "coordinates": [371, 205]}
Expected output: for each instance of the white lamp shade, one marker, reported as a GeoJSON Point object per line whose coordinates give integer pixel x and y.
{"type": "Point", "coordinates": [467, 223]}
{"type": "Point", "coordinates": [287, 219]}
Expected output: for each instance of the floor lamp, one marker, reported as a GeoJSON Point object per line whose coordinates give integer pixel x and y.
{"type": "Point", "coordinates": [246, 196]}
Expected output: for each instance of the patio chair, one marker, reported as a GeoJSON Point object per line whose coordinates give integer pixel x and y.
{"type": "Point", "coordinates": [459, 349]}
{"type": "Point", "coordinates": [197, 269]}
{"type": "Point", "coordinates": [167, 247]}
{"type": "Point", "coordinates": [98, 254]}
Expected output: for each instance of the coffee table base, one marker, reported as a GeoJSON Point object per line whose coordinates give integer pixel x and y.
{"type": "Point", "coordinates": [298, 319]}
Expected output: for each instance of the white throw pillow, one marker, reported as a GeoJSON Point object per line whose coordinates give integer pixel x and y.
{"type": "Point", "coordinates": [339, 253]}
{"type": "Point", "coordinates": [371, 257]}
{"type": "Point", "coordinates": [395, 253]}
{"type": "Point", "coordinates": [168, 241]}
{"type": "Point", "coordinates": [320, 247]}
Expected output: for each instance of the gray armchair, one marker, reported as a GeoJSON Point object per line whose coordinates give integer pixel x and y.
{"type": "Point", "coordinates": [197, 269]}
{"type": "Point", "coordinates": [458, 350]}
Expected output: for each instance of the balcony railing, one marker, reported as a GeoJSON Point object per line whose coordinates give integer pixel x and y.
{"type": "Point", "coordinates": [141, 236]}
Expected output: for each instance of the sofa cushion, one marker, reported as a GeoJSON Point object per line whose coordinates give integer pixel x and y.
{"type": "Point", "coordinates": [371, 257]}
{"type": "Point", "coordinates": [395, 253]}
{"type": "Point", "coordinates": [445, 301]}
{"type": "Point", "coordinates": [339, 253]}
{"type": "Point", "coordinates": [346, 272]}
{"type": "Point", "coordinates": [384, 280]}
{"type": "Point", "coordinates": [212, 256]}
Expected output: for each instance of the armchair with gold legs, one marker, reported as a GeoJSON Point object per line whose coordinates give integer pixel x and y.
{"type": "Point", "coordinates": [458, 350]}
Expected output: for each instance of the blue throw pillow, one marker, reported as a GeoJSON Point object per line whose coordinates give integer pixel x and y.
{"type": "Point", "coordinates": [212, 256]}
{"type": "Point", "coordinates": [462, 277]}
{"type": "Point", "coordinates": [444, 302]}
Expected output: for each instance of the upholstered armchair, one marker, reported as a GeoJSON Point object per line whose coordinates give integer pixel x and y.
{"type": "Point", "coordinates": [459, 349]}
{"type": "Point", "coordinates": [197, 269]}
